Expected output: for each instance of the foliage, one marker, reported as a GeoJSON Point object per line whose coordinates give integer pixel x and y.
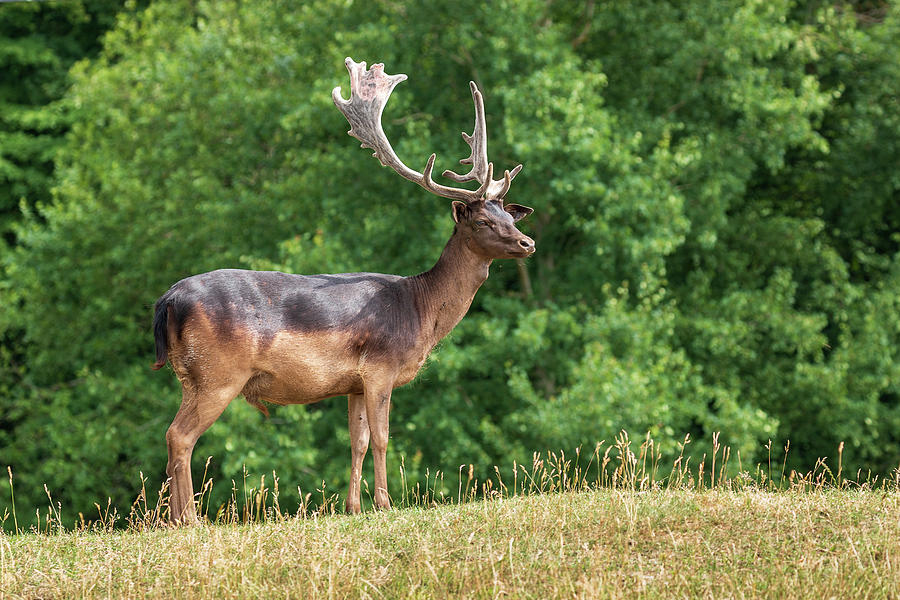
{"type": "Point", "coordinates": [716, 219]}
{"type": "Point", "coordinates": [38, 43]}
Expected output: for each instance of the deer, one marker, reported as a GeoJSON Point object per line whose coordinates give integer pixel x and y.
{"type": "Point", "coordinates": [280, 338]}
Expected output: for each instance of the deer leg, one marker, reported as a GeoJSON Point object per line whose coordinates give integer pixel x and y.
{"type": "Point", "coordinates": [359, 444]}
{"type": "Point", "coordinates": [378, 408]}
{"type": "Point", "coordinates": [199, 409]}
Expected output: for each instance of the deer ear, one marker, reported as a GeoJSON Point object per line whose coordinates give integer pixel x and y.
{"type": "Point", "coordinates": [518, 211]}
{"type": "Point", "coordinates": [460, 211]}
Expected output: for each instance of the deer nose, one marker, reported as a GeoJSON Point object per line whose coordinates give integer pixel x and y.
{"type": "Point", "coordinates": [527, 243]}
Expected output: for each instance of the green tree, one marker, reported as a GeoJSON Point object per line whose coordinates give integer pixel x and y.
{"type": "Point", "coordinates": [39, 41]}
{"type": "Point", "coordinates": [716, 236]}
{"type": "Point", "coordinates": [783, 118]}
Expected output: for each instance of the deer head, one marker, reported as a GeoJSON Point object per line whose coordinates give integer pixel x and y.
{"type": "Point", "coordinates": [487, 225]}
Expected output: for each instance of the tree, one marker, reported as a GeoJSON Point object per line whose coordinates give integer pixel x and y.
{"type": "Point", "coordinates": [714, 252]}
{"type": "Point", "coordinates": [783, 121]}
{"type": "Point", "coordinates": [38, 44]}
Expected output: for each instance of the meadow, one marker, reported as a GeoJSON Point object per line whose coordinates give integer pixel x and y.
{"type": "Point", "coordinates": [607, 527]}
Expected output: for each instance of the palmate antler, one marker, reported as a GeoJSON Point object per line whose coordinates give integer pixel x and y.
{"type": "Point", "coordinates": [369, 93]}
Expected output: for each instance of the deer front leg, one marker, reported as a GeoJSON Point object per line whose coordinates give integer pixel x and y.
{"type": "Point", "coordinates": [378, 408]}
{"type": "Point", "coordinates": [359, 444]}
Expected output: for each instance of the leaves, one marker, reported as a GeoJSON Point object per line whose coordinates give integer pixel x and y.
{"type": "Point", "coordinates": [716, 217]}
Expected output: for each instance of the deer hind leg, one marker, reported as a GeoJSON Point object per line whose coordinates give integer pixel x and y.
{"type": "Point", "coordinates": [378, 408]}
{"type": "Point", "coordinates": [200, 407]}
{"type": "Point", "coordinates": [359, 444]}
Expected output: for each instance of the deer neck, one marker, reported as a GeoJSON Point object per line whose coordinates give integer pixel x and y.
{"type": "Point", "coordinates": [446, 291]}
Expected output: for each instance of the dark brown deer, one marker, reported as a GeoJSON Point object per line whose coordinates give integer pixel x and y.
{"type": "Point", "coordinates": [298, 339]}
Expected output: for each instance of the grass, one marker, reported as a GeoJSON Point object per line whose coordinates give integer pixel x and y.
{"type": "Point", "coordinates": [610, 530]}
{"type": "Point", "coordinates": [592, 544]}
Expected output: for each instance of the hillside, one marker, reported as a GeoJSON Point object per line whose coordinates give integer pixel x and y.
{"type": "Point", "coordinates": [606, 543]}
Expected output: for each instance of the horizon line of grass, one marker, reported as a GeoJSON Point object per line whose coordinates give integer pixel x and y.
{"type": "Point", "coordinates": [618, 467]}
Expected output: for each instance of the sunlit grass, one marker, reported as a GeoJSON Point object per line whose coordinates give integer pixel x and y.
{"type": "Point", "coordinates": [607, 524]}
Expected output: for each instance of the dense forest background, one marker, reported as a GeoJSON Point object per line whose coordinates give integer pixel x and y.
{"type": "Point", "coordinates": [717, 220]}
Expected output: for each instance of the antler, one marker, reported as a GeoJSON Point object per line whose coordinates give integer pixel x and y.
{"type": "Point", "coordinates": [478, 158]}
{"type": "Point", "coordinates": [369, 93]}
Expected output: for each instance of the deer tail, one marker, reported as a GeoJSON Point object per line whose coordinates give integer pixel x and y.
{"type": "Point", "coordinates": [161, 332]}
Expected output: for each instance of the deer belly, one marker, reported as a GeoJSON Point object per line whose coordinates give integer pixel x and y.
{"type": "Point", "coordinates": [299, 368]}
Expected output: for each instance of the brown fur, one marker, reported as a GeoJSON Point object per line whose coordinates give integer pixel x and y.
{"type": "Point", "coordinates": [217, 359]}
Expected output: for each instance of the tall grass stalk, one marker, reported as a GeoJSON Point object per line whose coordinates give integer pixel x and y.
{"type": "Point", "coordinates": [12, 498]}
{"type": "Point", "coordinates": [618, 466]}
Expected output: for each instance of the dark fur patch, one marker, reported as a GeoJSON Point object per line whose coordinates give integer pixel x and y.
{"type": "Point", "coordinates": [378, 312]}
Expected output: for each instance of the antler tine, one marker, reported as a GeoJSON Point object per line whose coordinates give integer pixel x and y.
{"type": "Point", "coordinates": [477, 142]}
{"type": "Point", "coordinates": [369, 93]}
{"type": "Point", "coordinates": [505, 182]}
{"type": "Point", "coordinates": [430, 185]}
{"type": "Point", "coordinates": [495, 190]}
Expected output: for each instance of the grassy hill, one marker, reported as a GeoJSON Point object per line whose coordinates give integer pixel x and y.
{"type": "Point", "coordinates": [601, 543]}
{"type": "Point", "coordinates": [607, 527]}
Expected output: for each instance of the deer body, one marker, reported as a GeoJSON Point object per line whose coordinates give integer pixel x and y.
{"type": "Point", "coordinates": [305, 338]}
{"type": "Point", "coordinates": [297, 339]}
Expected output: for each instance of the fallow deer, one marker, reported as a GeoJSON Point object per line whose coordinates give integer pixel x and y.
{"type": "Point", "coordinates": [297, 339]}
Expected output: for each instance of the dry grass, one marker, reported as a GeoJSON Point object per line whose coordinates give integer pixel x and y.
{"type": "Point", "coordinates": [553, 531]}
{"type": "Point", "coordinates": [595, 544]}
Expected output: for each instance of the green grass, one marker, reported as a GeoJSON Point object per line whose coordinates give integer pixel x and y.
{"type": "Point", "coordinates": [613, 529]}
